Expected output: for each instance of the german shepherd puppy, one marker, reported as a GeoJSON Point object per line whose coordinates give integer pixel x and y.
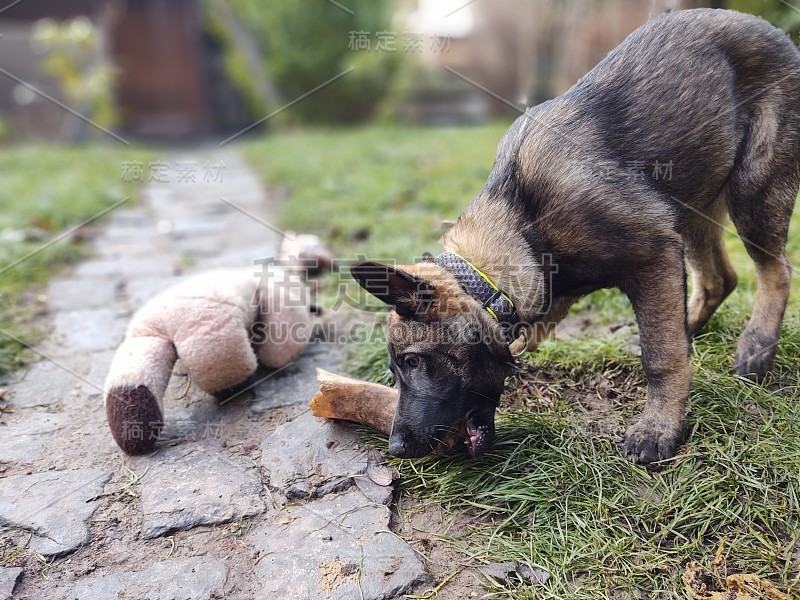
{"type": "Point", "coordinates": [715, 95]}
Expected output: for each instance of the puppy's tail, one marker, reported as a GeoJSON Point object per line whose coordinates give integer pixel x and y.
{"type": "Point", "coordinates": [134, 390]}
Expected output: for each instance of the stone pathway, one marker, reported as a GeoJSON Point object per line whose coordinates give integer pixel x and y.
{"type": "Point", "coordinates": [251, 499]}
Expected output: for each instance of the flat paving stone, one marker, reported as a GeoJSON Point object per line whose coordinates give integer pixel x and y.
{"type": "Point", "coordinates": [145, 247]}
{"type": "Point", "coordinates": [337, 548]}
{"type": "Point", "coordinates": [128, 234]}
{"type": "Point", "coordinates": [125, 267]}
{"type": "Point", "coordinates": [8, 579]}
{"type": "Point", "coordinates": [140, 291]}
{"type": "Point", "coordinates": [195, 578]}
{"type": "Point", "coordinates": [74, 294]}
{"type": "Point", "coordinates": [191, 414]}
{"type": "Point", "coordinates": [45, 383]}
{"type": "Point", "coordinates": [196, 226]}
{"type": "Point", "coordinates": [87, 330]}
{"type": "Point", "coordinates": [160, 197]}
{"type": "Point", "coordinates": [297, 383]}
{"type": "Point", "coordinates": [188, 409]}
{"type": "Point", "coordinates": [130, 216]}
{"type": "Point", "coordinates": [235, 256]}
{"type": "Point", "coordinates": [95, 377]}
{"type": "Point", "coordinates": [310, 457]}
{"type": "Point", "coordinates": [201, 247]}
{"type": "Point", "coordinates": [54, 506]}
{"type": "Point", "coordinates": [24, 434]}
{"type": "Point", "coordinates": [202, 485]}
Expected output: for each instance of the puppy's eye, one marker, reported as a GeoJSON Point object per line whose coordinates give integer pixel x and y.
{"type": "Point", "coordinates": [412, 361]}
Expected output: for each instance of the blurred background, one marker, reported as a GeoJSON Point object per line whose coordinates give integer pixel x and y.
{"type": "Point", "coordinates": [181, 70]}
{"type": "Point", "coordinates": [370, 123]}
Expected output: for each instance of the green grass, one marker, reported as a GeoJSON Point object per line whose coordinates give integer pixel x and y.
{"type": "Point", "coordinates": [378, 191]}
{"type": "Point", "coordinates": [555, 491]}
{"type": "Point", "coordinates": [47, 190]}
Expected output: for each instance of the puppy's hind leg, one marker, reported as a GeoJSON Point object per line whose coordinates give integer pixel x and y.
{"type": "Point", "coordinates": [763, 227]}
{"type": "Point", "coordinates": [713, 277]}
{"type": "Point", "coordinates": [762, 193]}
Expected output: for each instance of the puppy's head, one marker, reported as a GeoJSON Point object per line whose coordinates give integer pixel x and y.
{"type": "Point", "coordinates": [449, 358]}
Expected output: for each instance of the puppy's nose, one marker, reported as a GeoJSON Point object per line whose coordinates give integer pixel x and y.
{"type": "Point", "coordinates": [397, 446]}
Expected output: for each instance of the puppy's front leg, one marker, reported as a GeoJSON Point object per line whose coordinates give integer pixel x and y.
{"type": "Point", "coordinates": [658, 295]}
{"type": "Point", "coordinates": [541, 328]}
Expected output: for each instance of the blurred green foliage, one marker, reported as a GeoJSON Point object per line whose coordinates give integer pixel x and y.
{"type": "Point", "coordinates": [781, 14]}
{"type": "Point", "coordinates": [302, 47]}
{"type": "Point", "coordinates": [74, 58]}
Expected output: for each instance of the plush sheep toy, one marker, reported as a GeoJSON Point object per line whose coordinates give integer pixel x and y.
{"type": "Point", "coordinates": [220, 325]}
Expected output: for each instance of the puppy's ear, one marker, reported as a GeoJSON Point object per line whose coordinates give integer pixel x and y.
{"type": "Point", "coordinates": [407, 294]}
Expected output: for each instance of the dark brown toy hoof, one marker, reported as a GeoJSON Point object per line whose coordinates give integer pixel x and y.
{"type": "Point", "coordinates": [135, 418]}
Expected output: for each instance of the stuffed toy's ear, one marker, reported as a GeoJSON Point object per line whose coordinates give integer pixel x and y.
{"type": "Point", "coordinates": [407, 294]}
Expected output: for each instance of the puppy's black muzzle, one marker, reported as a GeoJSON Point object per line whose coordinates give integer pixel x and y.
{"type": "Point", "coordinates": [475, 429]}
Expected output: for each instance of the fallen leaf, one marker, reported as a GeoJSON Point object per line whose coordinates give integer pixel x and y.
{"type": "Point", "coordinates": [286, 520]}
{"type": "Point", "coordinates": [378, 471]}
{"type": "Point", "coordinates": [740, 586]}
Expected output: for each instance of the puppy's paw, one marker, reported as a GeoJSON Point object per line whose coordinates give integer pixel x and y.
{"type": "Point", "coordinates": [755, 354]}
{"type": "Point", "coordinates": [651, 440]}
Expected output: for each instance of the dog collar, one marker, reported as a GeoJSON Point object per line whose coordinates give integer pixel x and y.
{"type": "Point", "coordinates": [478, 285]}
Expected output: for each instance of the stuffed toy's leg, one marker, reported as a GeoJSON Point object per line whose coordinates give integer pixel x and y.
{"type": "Point", "coordinates": [284, 334]}
{"type": "Point", "coordinates": [134, 389]}
{"type": "Point", "coordinates": [211, 323]}
{"type": "Point", "coordinates": [218, 355]}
